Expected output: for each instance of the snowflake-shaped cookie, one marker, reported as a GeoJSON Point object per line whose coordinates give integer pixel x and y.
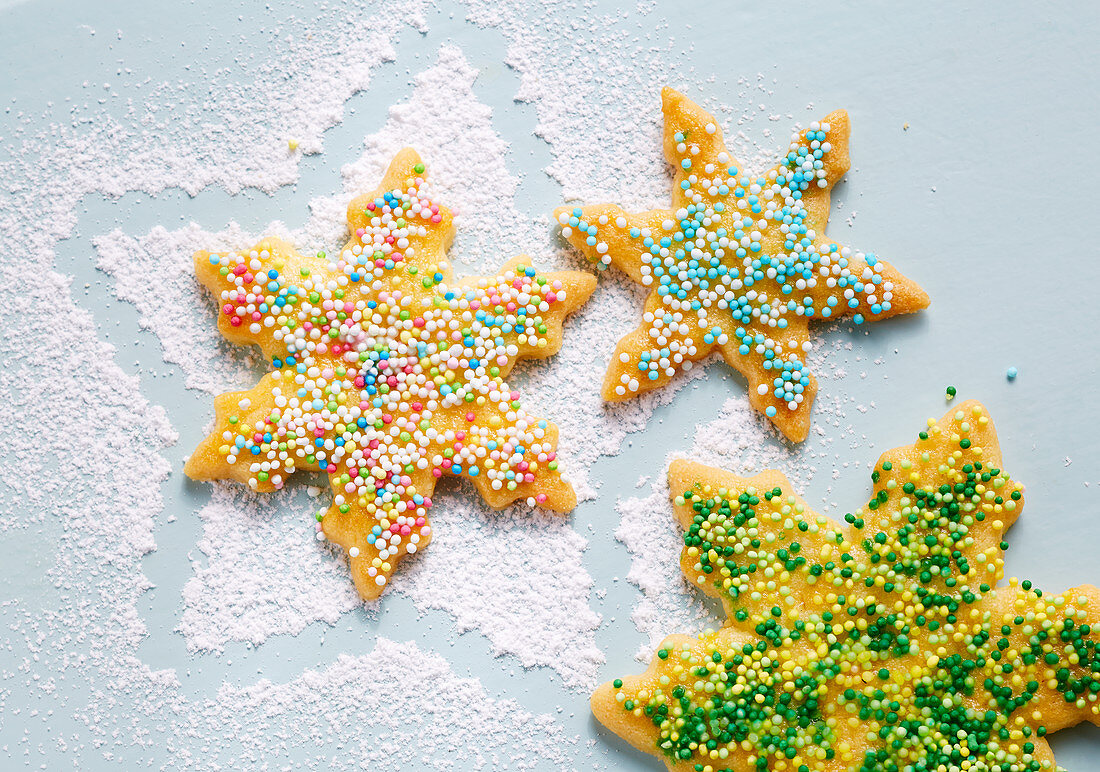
{"type": "Point", "coordinates": [881, 645]}
{"type": "Point", "coordinates": [386, 373]}
{"type": "Point", "coordinates": [740, 263]}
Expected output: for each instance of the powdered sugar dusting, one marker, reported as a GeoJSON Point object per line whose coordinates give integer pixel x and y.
{"type": "Point", "coordinates": [515, 576]}
{"type": "Point", "coordinates": [430, 728]}
{"type": "Point", "coordinates": [87, 493]}
{"type": "Point", "coordinates": [187, 337]}
{"type": "Point", "coordinates": [263, 573]}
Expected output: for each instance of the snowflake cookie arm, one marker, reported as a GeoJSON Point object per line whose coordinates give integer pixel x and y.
{"type": "Point", "coordinates": [246, 435]}
{"type": "Point", "coordinates": [374, 553]}
{"type": "Point", "coordinates": [746, 595]}
{"type": "Point", "coordinates": [621, 705]}
{"type": "Point", "coordinates": [969, 520]}
{"type": "Point", "coordinates": [251, 288]}
{"type": "Point", "coordinates": [400, 222]}
{"type": "Point", "coordinates": [376, 545]}
{"type": "Point", "coordinates": [525, 309]}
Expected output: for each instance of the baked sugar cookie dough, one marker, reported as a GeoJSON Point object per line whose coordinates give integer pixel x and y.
{"type": "Point", "coordinates": [386, 373]}
{"type": "Point", "coordinates": [739, 263]}
{"type": "Point", "coordinates": [888, 642]}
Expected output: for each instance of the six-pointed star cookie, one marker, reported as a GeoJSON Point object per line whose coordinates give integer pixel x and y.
{"type": "Point", "coordinates": [881, 644]}
{"type": "Point", "coordinates": [739, 263]}
{"type": "Point", "coordinates": [386, 373]}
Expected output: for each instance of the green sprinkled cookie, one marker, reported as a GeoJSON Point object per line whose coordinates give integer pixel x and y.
{"type": "Point", "coordinates": [886, 644]}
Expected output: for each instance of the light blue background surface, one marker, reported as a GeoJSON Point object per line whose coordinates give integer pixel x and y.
{"type": "Point", "coordinates": [988, 200]}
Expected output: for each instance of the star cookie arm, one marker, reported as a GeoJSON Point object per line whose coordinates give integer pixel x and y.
{"type": "Point", "coordinates": [252, 289]}
{"type": "Point", "coordinates": [248, 444]}
{"type": "Point", "coordinates": [398, 231]}
{"type": "Point", "coordinates": [649, 356]}
{"type": "Point", "coordinates": [522, 309]}
{"type": "Point", "coordinates": [608, 235]}
{"type": "Point", "coordinates": [711, 504]}
{"type": "Point", "coordinates": [781, 386]}
{"type": "Point", "coordinates": [694, 147]}
{"type": "Point", "coordinates": [842, 282]}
